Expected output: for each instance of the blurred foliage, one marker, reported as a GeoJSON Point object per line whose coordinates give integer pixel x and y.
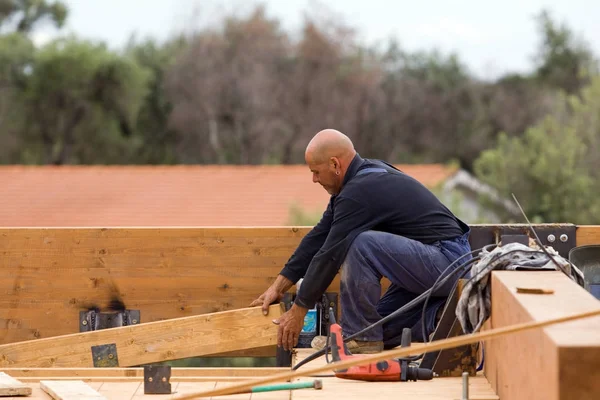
{"type": "Point", "coordinates": [298, 216]}
{"type": "Point", "coordinates": [554, 168]}
{"type": "Point", "coordinates": [245, 91]}
{"type": "Point", "coordinates": [23, 15]}
{"type": "Point", "coordinates": [81, 104]}
{"type": "Point", "coordinates": [564, 61]}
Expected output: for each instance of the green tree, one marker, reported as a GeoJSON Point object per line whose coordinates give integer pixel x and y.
{"type": "Point", "coordinates": [16, 57]}
{"type": "Point", "coordinates": [81, 102]}
{"type": "Point", "coordinates": [23, 15]}
{"type": "Point", "coordinates": [156, 137]}
{"type": "Point", "coordinates": [563, 60]}
{"type": "Point", "coordinates": [554, 168]}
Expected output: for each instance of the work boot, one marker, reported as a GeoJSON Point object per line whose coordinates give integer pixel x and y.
{"type": "Point", "coordinates": [361, 347]}
{"type": "Point", "coordinates": [318, 342]}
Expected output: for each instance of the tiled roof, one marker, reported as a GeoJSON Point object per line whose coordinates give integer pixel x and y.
{"type": "Point", "coordinates": [199, 195]}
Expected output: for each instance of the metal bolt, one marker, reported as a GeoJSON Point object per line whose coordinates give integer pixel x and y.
{"type": "Point", "coordinates": [164, 379]}
{"type": "Point", "coordinates": [134, 321]}
{"type": "Point", "coordinates": [551, 238]}
{"type": "Point", "coordinates": [84, 322]}
{"type": "Point", "coordinates": [110, 356]}
{"type": "Point", "coordinates": [564, 237]}
{"type": "Point", "coordinates": [150, 379]}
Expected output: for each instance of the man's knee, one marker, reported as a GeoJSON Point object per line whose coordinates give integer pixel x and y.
{"type": "Point", "coordinates": [365, 241]}
{"type": "Point", "coordinates": [358, 254]}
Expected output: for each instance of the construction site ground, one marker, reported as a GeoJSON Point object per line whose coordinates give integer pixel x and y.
{"type": "Point", "coordinates": [128, 388]}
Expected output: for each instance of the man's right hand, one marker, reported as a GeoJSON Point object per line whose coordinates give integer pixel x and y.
{"type": "Point", "coordinates": [270, 296]}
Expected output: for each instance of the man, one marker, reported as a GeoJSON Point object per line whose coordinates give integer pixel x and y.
{"type": "Point", "coordinates": [379, 223]}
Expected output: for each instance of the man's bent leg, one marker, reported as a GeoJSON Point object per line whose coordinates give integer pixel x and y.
{"type": "Point", "coordinates": [408, 264]}
{"type": "Point", "coordinates": [395, 298]}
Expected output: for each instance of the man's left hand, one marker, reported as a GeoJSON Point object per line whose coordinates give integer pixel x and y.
{"type": "Point", "coordinates": [290, 326]}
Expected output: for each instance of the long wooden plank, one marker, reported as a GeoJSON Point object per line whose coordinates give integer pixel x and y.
{"type": "Point", "coordinates": [70, 390]}
{"type": "Point", "coordinates": [176, 372]}
{"type": "Point", "coordinates": [9, 386]}
{"type": "Point", "coordinates": [588, 234]}
{"type": "Point", "coordinates": [151, 342]}
{"type": "Point", "coordinates": [557, 362]}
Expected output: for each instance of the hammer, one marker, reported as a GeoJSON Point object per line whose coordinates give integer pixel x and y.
{"type": "Point", "coordinates": [316, 384]}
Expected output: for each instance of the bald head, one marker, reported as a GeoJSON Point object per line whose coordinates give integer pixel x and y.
{"type": "Point", "coordinates": [328, 156]}
{"type": "Point", "coordinates": [329, 143]}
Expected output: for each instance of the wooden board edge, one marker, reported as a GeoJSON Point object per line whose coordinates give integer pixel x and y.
{"type": "Point", "coordinates": [587, 235]}
{"type": "Point", "coordinates": [135, 372]}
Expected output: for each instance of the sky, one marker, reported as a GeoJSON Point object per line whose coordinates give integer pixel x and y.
{"type": "Point", "coordinates": [491, 38]}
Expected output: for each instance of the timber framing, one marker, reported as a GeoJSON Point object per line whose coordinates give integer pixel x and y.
{"type": "Point", "coordinates": [150, 342]}
{"type": "Point", "coordinates": [49, 276]}
{"type": "Point", "coordinates": [556, 362]}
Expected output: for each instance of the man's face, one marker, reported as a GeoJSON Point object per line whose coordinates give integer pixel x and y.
{"type": "Point", "coordinates": [324, 174]}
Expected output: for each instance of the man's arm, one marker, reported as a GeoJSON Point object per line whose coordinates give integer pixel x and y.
{"type": "Point", "coordinates": [351, 218]}
{"type": "Point", "coordinates": [310, 244]}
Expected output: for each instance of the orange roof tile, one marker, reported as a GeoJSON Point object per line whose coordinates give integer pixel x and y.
{"type": "Point", "coordinates": [198, 195]}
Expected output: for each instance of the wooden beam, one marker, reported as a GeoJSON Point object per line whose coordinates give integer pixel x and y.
{"type": "Point", "coordinates": [150, 342]}
{"type": "Point", "coordinates": [181, 372]}
{"type": "Point", "coordinates": [556, 362]}
{"type": "Point", "coordinates": [588, 234]}
{"type": "Point", "coordinates": [140, 379]}
{"type": "Point", "coordinates": [70, 390]}
{"type": "Point", "coordinates": [9, 386]}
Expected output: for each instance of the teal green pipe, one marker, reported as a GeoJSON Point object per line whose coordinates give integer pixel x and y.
{"type": "Point", "coordinates": [317, 384]}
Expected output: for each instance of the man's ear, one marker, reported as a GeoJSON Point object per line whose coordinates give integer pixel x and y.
{"type": "Point", "coordinates": [334, 163]}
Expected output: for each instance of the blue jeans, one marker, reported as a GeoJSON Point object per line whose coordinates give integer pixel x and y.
{"type": "Point", "coordinates": [412, 268]}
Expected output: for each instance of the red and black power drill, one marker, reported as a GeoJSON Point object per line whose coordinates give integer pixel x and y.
{"type": "Point", "coordinates": [389, 370]}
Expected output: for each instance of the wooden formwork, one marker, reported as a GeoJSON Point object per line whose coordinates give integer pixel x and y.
{"type": "Point", "coordinates": [48, 276]}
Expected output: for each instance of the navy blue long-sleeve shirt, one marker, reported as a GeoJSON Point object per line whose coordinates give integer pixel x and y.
{"type": "Point", "coordinates": [374, 196]}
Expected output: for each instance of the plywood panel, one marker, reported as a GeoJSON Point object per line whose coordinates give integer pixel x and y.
{"type": "Point", "coordinates": [557, 362]}
{"type": "Point", "coordinates": [70, 390]}
{"type": "Point", "coordinates": [9, 386]}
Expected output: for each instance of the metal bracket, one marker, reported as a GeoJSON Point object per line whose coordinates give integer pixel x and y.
{"type": "Point", "coordinates": [92, 320]}
{"type": "Point", "coordinates": [451, 362]}
{"type": "Point", "coordinates": [329, 299]}
{"type": "Point", "coordinates": [105, 355]}
{"type": "Point", "coordinates": [157, 379]}
{"type": "Point", "coordinates": [561, 237]}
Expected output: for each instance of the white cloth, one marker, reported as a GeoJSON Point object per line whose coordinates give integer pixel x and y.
{"type": "Point", "coordinates": [474, 305]}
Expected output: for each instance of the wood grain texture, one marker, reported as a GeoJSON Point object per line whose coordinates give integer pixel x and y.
{"type": "Point", "coordinates": [556, 362]}
{"type": "Point", "coordinates": [9, 386]}
{"type": "Point", "coordinates": [176, 372]}
{"type": "Point", "coordinates": [70, 390]}
{"type": "Point", "coordinates": [588, 234]}
{"type": "Point", "coordinates": [49, 275]}
{"type": "Point", "coordinates": [151, 342]}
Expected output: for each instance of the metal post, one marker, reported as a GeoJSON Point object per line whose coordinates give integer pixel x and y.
{"type": "Point", "coordinates": [465, 387]}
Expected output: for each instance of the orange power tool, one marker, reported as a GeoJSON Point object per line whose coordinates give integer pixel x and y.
{"type": "Point", "coordinates": [391, 370]}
